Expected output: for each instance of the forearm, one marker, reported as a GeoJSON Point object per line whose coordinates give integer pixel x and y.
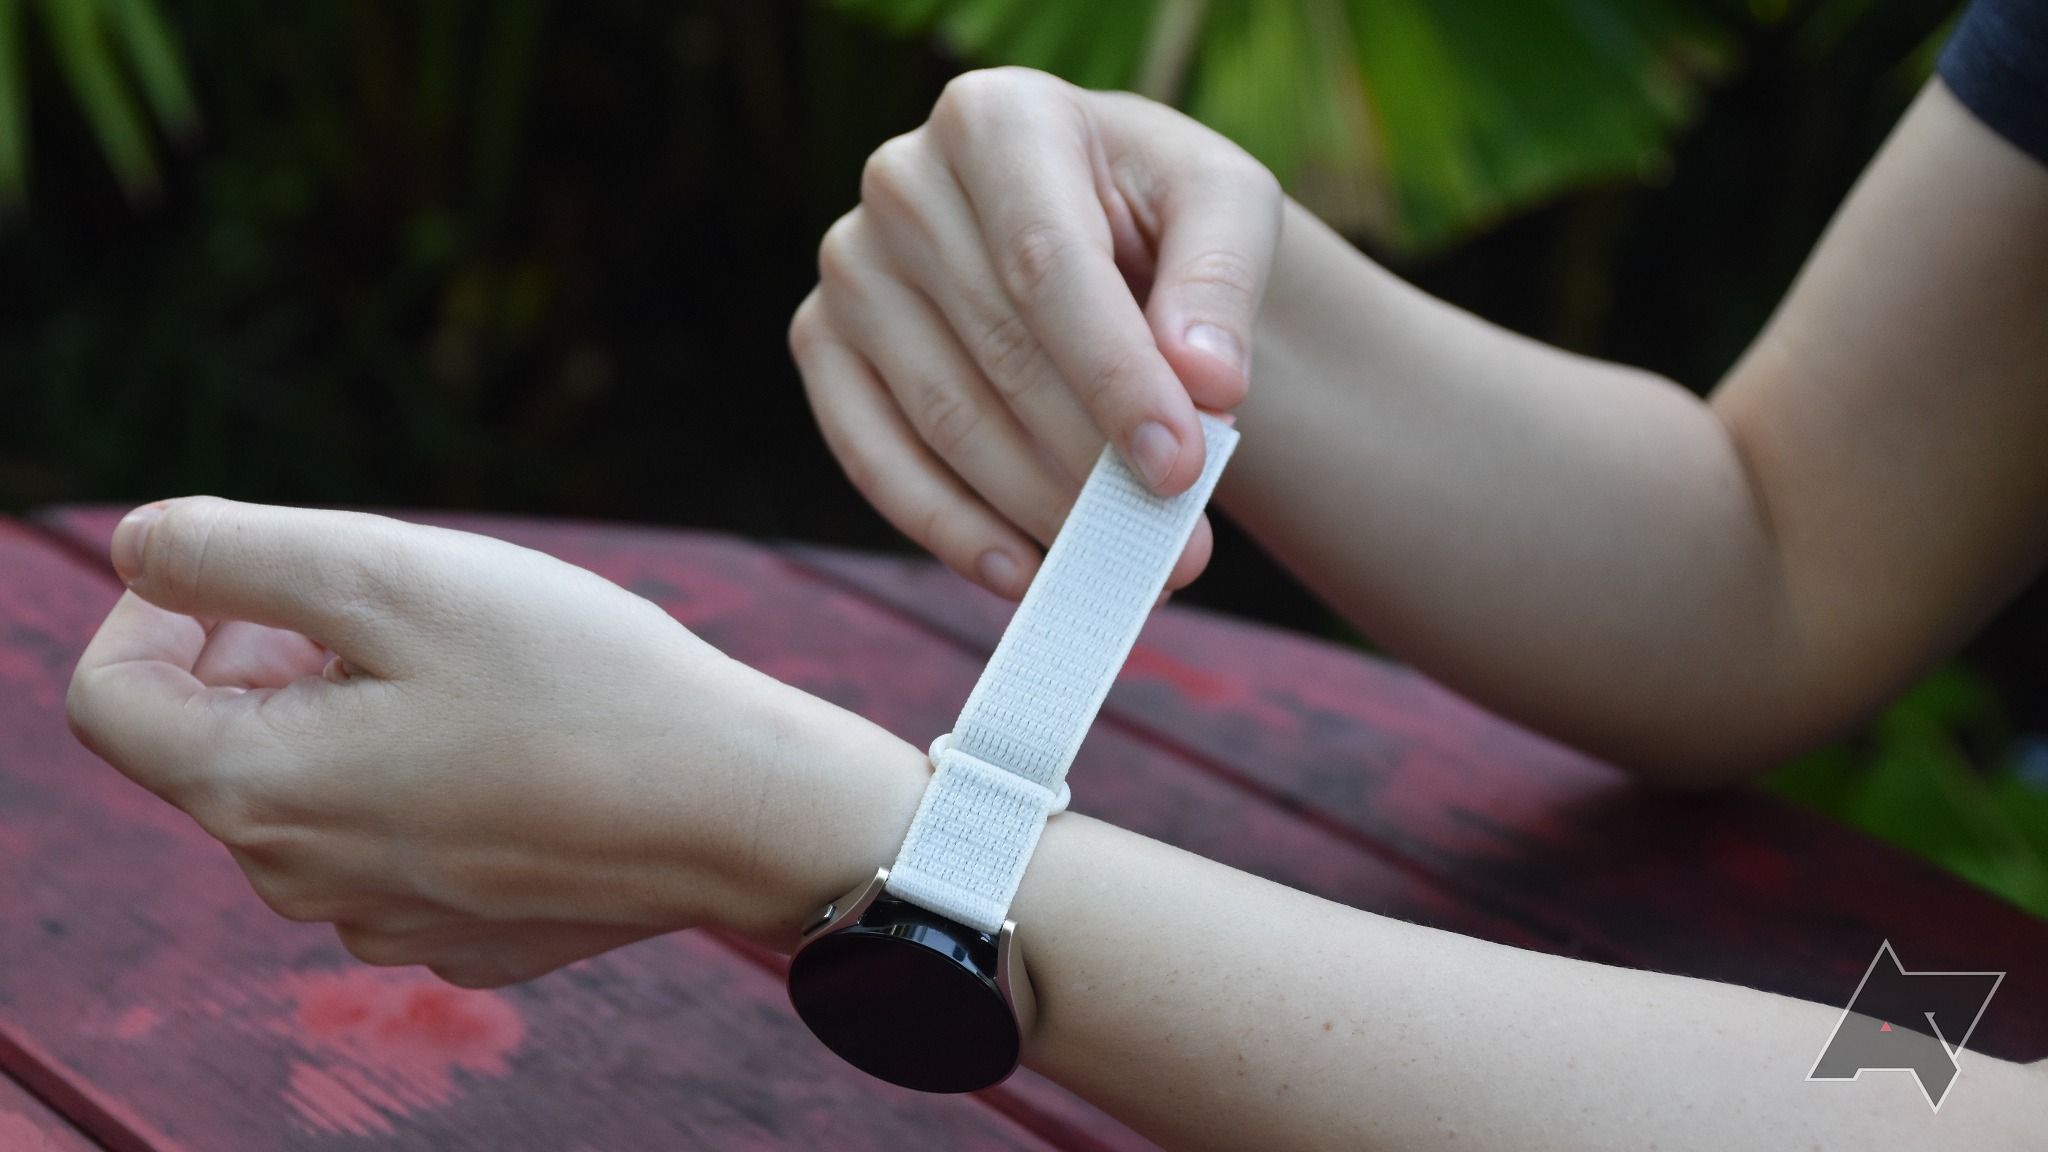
{"type": "Point", "coordinates": [1694, 588]}
{"type": "Point", "coordinates": [1211, 1009]}
{"type": "Point", "coordinates": [1208, 1008]}
{"type": "Point", "coordinates": [1574, 543]}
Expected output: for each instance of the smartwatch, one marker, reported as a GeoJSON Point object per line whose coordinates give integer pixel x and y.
{"type": "Point", "coordinates": [917, 976]}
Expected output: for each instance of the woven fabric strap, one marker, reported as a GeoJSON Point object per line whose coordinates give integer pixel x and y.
{"type": "Point", "coordinates": [1002, 770]}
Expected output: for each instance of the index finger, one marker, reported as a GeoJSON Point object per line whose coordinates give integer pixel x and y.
{"type": "Point", "coordinates": [337, 577]}
{"type": "Point", "coordinates": [134, 701]}
{"type": "Point", "coordinates": [1036, 202]}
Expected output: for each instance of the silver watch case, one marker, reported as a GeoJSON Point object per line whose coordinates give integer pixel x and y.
{"type": "Point", "coordinates": [911, 996]}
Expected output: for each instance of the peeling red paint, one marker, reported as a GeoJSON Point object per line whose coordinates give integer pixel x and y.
{"type": "Point", "coordinates": [381, 1045]}
{"type": "Point", "coordinates": [1209, 690]}
{"type": "Point", "coordinates": [136, 1023]}
{"type": "Point", "coordinates": [1194, 683]}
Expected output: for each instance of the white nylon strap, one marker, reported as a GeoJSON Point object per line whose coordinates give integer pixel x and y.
{"type": "Point", "coordinates": [1002, 770]}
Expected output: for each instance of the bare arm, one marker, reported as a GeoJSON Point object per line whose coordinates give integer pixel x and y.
{"type": "Point", "coordinates": [1692, 588]}
{"type": "Point", "coordinates": [1211, 1009]}
{"type": "Point", "coordinates": [447, 797]}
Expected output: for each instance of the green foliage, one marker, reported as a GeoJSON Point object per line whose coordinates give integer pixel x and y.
{"type": "Point", "coordinates": [538, 257]}
{"type": "Point", "coordinates": [13, 102]}
{"type": "Point", "coordinates": [1913, 779]}
{"type": "Point", "coordinates": [1414, 121]}
{"type": "Point", "coordinates": [108, 51]}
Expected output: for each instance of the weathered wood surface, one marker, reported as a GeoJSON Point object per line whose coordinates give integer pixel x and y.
{"type": "Point", "coordinates": [28, 1125]}
{"type": "Point", "coordinates": [136, 967]}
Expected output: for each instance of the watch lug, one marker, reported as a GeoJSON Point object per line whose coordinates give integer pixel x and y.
{"type": "Point", "coordinates": [847, 909]}
{"type": "Point", "coordinates": [1012, 980]}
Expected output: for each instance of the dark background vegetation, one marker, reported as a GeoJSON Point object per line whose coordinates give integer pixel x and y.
{"type": "Point", "coordinates": [538, 258]}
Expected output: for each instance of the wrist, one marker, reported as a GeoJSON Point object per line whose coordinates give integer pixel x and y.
{"type": "Point", "coordinates": [837, 798]}
{"type": "Point", "coordinates": [1328, 322]}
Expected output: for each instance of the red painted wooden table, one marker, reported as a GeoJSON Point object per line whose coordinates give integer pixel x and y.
{"type": "Point", "coordinates": [149, 1001]}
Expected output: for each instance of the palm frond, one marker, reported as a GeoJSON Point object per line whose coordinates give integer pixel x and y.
{"type": "Point", "coordinates": [123, 66]}
{"type": "Point", "coordinates": [1413, 121]}
{"type": "Point", "coordinates": [13, 108]}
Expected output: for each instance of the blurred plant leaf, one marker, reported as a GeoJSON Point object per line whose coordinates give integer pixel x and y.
{"type": "Point", "coordinates": [78, 35]}
{"type": "Point", "coordinates": [1414, 121]}
{"type": "Point", "coordinates": [108, 51]}
{"type": "Point", "coordinates": [158, 64]}
{"type": "Point", "coordinates": [13, 107]}
{"type": "Point", "coordinates": [1911, 780]}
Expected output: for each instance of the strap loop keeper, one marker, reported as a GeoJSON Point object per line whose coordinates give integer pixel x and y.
{"type": "Point", "coordinates": [949, 745]}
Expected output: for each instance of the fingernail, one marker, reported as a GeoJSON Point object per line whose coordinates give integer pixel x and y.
{"type": "Point", "coordinates": [1216, 342]}
{"type": "Point", "coordinates": [1154, 450]}
{"type": "Point", "coordinates": [998, 571]}
{"type": "Point", "coordinates": [129, 536]}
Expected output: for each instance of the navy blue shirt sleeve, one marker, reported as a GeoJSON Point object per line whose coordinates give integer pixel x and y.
{"type": "Point", "coordinates": [1997, 65]}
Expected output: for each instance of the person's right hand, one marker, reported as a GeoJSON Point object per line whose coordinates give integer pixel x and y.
{"type": "Point", "coordinates": [1035, 270]}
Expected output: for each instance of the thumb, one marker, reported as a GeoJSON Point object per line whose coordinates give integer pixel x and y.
{"type": "Point", "coordinates": [1216, 241]}
{"type": "Point", "coordinates": [330, 575]}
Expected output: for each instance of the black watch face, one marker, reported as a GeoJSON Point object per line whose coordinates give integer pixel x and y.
{"type": "Point", "coordinates": [911, 997]}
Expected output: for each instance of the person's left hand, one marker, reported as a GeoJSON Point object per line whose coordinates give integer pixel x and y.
{"type": "Point", "coordinates": [1034, 270]}
{"type": "Point", "coordinates": [466, 754]}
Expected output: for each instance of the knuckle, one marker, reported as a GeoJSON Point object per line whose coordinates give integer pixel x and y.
{"type": "Point", "coordinates": [1008, 352]}
{"type": "Point", "coordinates": [1036, 259]}
{"type": "Point", "coordinates": [174, 553]}
{"type": "Point", "coordinates": [804, 328]}
{"type": "Point", "coordinates": [1003, 103]}
{"type": "Point", "coordinates": [947, 420]}
{"type": "Point", "coordinates": [838, 252]}
{"type": "Point", "coordinates": [1224, 277]}
{"type": "Point", "coordinates": [970, 94]}
{"type": "Point", "coordinates": [987, 90]}
{"type": "Point", "coordinates": [889, 177]}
